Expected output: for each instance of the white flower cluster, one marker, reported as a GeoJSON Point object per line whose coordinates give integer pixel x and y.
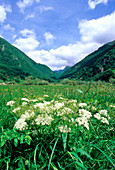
{"type": "Point", "coordinates": [103, 119]}
{"type": "Point", "coordinates": [16, 109]}
{"type": "Point", "coordinates": [64, 129]}
{"type": "Point", "coordinates": [82, 105]}
{"type": "Point", "coordinates": [21, 123]}
{"type": "Point", "coordinates": [84, 117]}
{"type": "Point", "coordinates": [10, 103]}
{"type": "Point", "coordinates": [43, 119]}
{"type": "Point", "coordinates": [112, 106]}
{"type": "Point", "coordinates": [68, 111]}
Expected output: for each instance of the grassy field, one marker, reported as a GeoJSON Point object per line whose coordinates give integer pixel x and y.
{"type": "Point", "coordinates": [57, 127]}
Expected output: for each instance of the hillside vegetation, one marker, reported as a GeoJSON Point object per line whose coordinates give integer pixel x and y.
{"type": "Point", "coordinates": [15, 65]}
{"type": "Point", "coordinates": [99, 65]}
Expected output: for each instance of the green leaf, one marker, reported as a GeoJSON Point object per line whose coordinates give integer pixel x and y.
{"type": "Point", "coordinates": [83, 152]}
{"type": "Point", "coordinates": [52, 154]}
{"type": "Point", "coordinates": [15, 142]}
{"type": "Point", "coordinates": [80, 164]}
{"type": "Point", "coordinates": [54, 167]}
{"type": "Point", "coordinates": [28, 139]}
{"type": "Point", "coordinates": [3, 140]}
{"type": "Point", "coordinates": [104, 154]}
{"type": "Point", "coordinates": [22, 139]}
{"type": "Point", "coordinates": [64, 137]}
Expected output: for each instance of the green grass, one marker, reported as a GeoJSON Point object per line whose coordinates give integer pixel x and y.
{"type": "Point", "coordinates": [52, 138]}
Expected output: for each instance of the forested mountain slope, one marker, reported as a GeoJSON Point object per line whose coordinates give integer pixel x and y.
{"type": "Point", "coordinates": [99, 65]}
{"type": "Point", "coordinates": [14, 64]}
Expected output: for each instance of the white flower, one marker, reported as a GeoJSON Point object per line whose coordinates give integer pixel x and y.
{"type": "Point", "coordinates": [85, 113]}
{"type": "Point", "coordinates": [43, 119]}
{"type": "Point", "coordinates": [46, 95]}
{"type": "Point", "coordinates": [41, 105]}
{"type": "Point", "coordinates": [83, 121]}
{"type": "Point", "coordinates": [64, 129]}
{"type": "Point", "coordinates": [21, 124]}
{"type": "Point", "coordinates": [112, 106]}
{"type": "Point", "coordinates": [58, 105]}
{"type": "Point", "coordinates": [34, 100]}
{"type": "Point", "coordinates": [93, 108]}
{"type": "Point", "coordinates": [16, 109]}
{"type": "Point", "coordinates": [97, 116]}
{"type": "Point", "coordinates": [24, 103]}
{"type": "Point", "coordinates": [103, 112]}
{"type": "Point", "coordinates": [104, 120]}
{"type": "Point", "coordinates": [65, 110]}
{"type": "Point", "coordinates": [25, 99]}
{"type": "Point", "coordinates": [82, 105]}
{"type": "Point", "coordinates": [10, 103]}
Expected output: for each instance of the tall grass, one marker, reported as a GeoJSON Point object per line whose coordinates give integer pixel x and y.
{"type": "Point", "coordinates": [56, 141]}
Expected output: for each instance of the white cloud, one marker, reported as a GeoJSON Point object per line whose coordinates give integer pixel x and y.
{"type": "Point", "coordinates": [28, 42]}
{"type": "Point", "coordinates": [94, 33]}
{"type": "Point", "coordinates": [7, 8]}
{"type": "Point", "coordinates": [49, 38]}
{"type": "Point", "coordinates": [25, 3]}
{"type": "Point", "coordinates": [3, 12]}
{"type": "Point", "coordinates": [8, 27]}
{"type": "Point", "coordinates": [45, 8]}
{"type": "Point", "coordinates": [93, 3]}
{"type": "Point", "coordinates": [100, 30]}
{"type": "Point", "coordinates": [27, 33]}
{"type": "Point", "coordinates": [30, 16]}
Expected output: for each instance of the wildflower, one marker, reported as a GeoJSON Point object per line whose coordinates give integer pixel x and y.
{"type": "Point", "coordinates": [104, 120]}
{"type": "Point", "coordinates": [65, 110]}
{"type": "Point", "coordinates": [10, 103]}
{"type": "Point", "coordinates": [25, 99]}
{"type": "Point", "coordinates": [21, 124]}
{"type": "Point", "coordinates": [64, 129]}
{"type": "Point", "coordinates": [83, 121]}
{"type": "Point", "coordinates": [46, 95]}
{"type": "Point", "coordinates": [103, 112]}
{"type": "Point", "coordinates": [93, 108]}
{"type": "Point", "coordinates": [16, 109]}
{"type": "Point", "coordinates": [85, 113]}
{"type": "Point", "coordinates": [34, 100]}
{"type": "Point", "coordinates": [24, 103]}
{"type": "Point", "coordinates": [58, 105]}
{"type": "Point", "coordinates": [82, 105]}
{"type": "Point", "coordinates": [112, 106]}
{"type": "Point", "coordinates": [43, 119]}
{"type": "Point", "coordinates": [97, 116]}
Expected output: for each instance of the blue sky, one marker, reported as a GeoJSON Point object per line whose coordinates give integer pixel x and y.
{"type": "Point", "coordinates": [57, 33]}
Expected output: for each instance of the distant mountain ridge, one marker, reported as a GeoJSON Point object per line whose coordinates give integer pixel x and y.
{"type": "Point", "coordinates": [99, 65]}
{"type": "Point", "coordinates": [16, 64]}
{"type": "Point", "coordinates": [62, 70]}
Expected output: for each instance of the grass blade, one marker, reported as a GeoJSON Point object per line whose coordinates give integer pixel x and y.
{"type": "Point", "coordinates": [52, 154]}
{"type": "Point", "coordinates": [104, 154]}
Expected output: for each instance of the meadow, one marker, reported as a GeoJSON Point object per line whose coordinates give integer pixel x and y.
{"type": "Point", "coordinates": [57, 127]}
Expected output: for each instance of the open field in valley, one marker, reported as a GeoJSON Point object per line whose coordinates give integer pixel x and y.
{"type": "Point", "coordinates": [57, 127]}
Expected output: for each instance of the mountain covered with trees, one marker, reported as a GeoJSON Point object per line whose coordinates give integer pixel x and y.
{"type": "Point", "coordinates": [16, 65]}
{"type": "Point", "coordinates": [99, 65]}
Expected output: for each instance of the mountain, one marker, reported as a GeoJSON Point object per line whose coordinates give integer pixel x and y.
{"type": "Point", "coordinates": [99, 65]}
{"type": "Point", "coordinates": [61, 71]}
{"type": "Point", "coordinates": [14, 64]}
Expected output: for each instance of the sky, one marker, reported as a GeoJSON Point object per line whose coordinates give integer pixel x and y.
{"type": "Point", "coordinates": [57, 33]}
